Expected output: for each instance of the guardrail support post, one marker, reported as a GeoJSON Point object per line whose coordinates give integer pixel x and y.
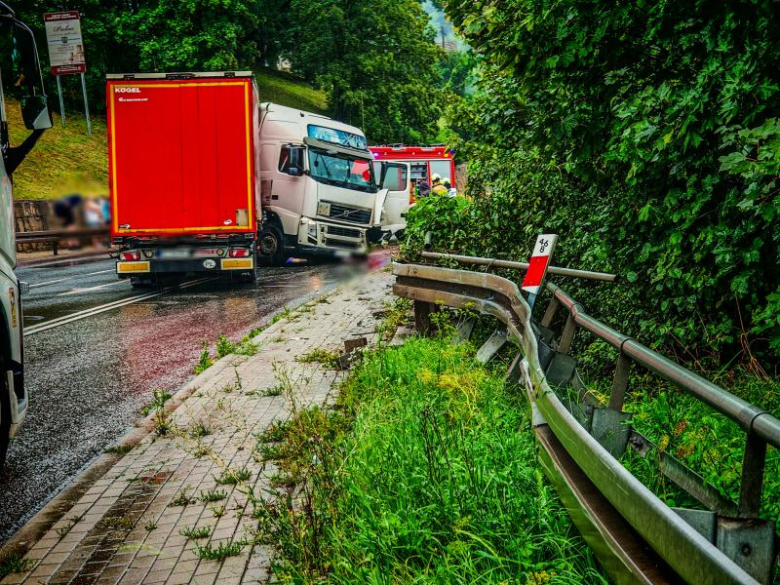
{"type": "Point", "coordinates": [54, 247]}
{"type": "Point", "coordinates": [549, 314]}
{"type": "Point", "coordinates": [752, 476]}
{"type": "Point", "coordinates": [568, 335]}
{"type": "Point", "coordinates": [422, 317]}
{"type": "Point", "coordinates": [619, 383]}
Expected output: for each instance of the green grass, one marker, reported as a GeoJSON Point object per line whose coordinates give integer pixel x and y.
{"type": "Point", "coordinates": [707, 442]}
{"type": "Point", "coordinates": [425, 472]}
{"type": "Point", "coordinates": [288, 90]}
{"type": "Point", "coordinates": [66, 161]}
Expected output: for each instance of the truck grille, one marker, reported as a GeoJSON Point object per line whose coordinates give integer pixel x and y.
{"type": "Point", "coordinates": [342, 244]}
{"type": "Point", "coordinates": [350, 214]}
{"type": "Point", "coordinates": [334, 230]}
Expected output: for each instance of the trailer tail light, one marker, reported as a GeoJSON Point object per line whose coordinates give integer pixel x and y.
{"type": "Point", "coordinates": [239, 253]}
{"type": "Point", "coordinates": [130, 256]}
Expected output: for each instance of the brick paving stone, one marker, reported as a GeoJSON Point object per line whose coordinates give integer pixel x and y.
{"type": "Point", "coordinates": [139, 490]}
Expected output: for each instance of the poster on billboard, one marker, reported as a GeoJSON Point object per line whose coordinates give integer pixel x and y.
{"type": "Point", "coordinates": [66, 47]}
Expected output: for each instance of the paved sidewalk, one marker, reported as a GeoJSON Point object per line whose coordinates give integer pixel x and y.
{"type": "Point", "coordinates": [128, 527]}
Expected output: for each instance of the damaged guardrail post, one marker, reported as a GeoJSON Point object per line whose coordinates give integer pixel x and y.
{"type": "Point", "coordinates": [619, 382]}
{"type": "Point", "coordinates": [422, 317]}
{"type": "Point", "coordinates": [752, 476]}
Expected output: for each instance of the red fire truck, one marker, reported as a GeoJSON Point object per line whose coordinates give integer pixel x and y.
{"type": "Point", "coordinates": [425, 161]}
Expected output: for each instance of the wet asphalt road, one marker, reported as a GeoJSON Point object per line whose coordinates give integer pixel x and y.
{"type": "Point", "coordinates": [88, 379]}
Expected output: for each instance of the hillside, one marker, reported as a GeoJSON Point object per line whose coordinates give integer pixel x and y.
{"type": "Point", "coordinates": [66, 161]}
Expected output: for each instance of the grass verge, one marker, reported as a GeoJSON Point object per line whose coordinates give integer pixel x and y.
{"type": "Point", "coordinates": [424, 472]}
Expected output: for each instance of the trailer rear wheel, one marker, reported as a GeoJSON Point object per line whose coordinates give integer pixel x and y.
{"type": "Point", "coordinates": [270, 246]}
{"type": "Point", "coordinates": [5, 415]}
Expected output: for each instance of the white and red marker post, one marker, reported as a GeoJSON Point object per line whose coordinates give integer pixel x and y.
{"type": "Point", "coordinates": [537, 266]}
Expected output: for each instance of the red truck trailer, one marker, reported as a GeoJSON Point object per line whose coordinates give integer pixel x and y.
{"type": "Point", "coordinates": [183, 173]}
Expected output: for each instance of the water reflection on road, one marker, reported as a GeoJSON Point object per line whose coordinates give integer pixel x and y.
{"type": "Point", "coordinates": [88, 379]}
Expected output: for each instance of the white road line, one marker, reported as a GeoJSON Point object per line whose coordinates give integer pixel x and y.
{"type": "Point", "coordinates": [77, 291]}
{"type": "Point", "coordinates": [51, 324]}
{"type": "Point", "coordinates": [50, 282]}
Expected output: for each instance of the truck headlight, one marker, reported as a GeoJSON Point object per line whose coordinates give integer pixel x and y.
{"type": "Point", "coordinates": [312, 229]}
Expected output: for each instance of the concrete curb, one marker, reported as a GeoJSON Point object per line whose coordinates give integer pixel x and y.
{"type": "Point", "coordinates": [42, 521]}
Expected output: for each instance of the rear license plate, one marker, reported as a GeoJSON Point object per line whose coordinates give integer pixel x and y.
{"type": "Point", "coordinates": [238, 264]}
{"type": "Point", "coordinates": [174, 253]}
{"type": "Point", "coordinates": [127, 267]}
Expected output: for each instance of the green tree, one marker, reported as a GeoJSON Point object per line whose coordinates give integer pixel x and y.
{"type": "Point", "coordinates": [378, 61]}
{"type": "Point", "coordinates": [193, 34]}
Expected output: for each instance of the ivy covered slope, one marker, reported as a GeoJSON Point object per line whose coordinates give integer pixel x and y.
{"type": "Point", "coordinates": [646, 135]}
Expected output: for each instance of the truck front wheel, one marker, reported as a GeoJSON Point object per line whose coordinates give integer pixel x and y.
{"type": "Point", "coordinates": [270, 246]}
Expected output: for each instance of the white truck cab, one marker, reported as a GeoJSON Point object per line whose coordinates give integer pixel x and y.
{"type": "Point", "coordinates": [320, 192]}
{"type": "Point", "coordinates": [26, 75]}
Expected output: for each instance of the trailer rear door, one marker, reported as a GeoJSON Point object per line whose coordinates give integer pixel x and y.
{"type": "Point", "coordinates": [181, 156]}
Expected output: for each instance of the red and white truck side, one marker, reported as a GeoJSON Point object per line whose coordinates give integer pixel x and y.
{"type": "Point", "coordinates": [183, 173]}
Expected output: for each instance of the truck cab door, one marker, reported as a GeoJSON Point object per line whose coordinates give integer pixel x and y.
{"type": "Point", "coordinates": [395, 179]}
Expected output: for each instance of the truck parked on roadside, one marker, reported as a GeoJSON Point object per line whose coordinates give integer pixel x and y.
{"type": "Point", "coordinates": [25, 74]}
{"type": "Point", "coordinates": [320, 189]}
{"type": "Point", "coordinates": [183, 173]}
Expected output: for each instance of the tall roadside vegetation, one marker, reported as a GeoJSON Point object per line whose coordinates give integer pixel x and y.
{"type": "Point", "coordinates": [647, 135]}
{"type": "Point", "coordinates": [377, 60]}
{"type": "Point", "coordinates": [425, 472]}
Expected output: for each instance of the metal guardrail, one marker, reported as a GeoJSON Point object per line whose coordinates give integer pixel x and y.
{"type": "Point", "coordinates": [498, 263]}
{"type": "Point", "coordinates": [635, 535]}
{"type": "Point", "coordinates": [54, 237]}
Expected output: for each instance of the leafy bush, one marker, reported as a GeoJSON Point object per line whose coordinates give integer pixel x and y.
{"type": "Point", "coordinates": [646, 135]}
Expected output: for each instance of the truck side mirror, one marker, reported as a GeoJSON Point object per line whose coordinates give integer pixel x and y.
{"type": "Point", "coordinates": [295, 166]}
{"type": "Point", "coordinates": [35, 109]}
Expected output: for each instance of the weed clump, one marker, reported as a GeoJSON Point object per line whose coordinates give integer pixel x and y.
{"type": "Point", "coordinates": [233, 476]}
{"type": "Point", "coordinates": [212, 496]}
{"type": "Point", "coordinates": [118, 449]}
{"type": "Point", "coordinates": [320, 356]}
{"type": "Point", "coordinates": [14, 563]}
{"type": "Point", "coordinates": [222, 551]}
{"type": "Point", "coordinates": [192, 533]}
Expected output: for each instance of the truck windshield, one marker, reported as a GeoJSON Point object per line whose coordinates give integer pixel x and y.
{"type": "Point", "coordinates": [341, 170]}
